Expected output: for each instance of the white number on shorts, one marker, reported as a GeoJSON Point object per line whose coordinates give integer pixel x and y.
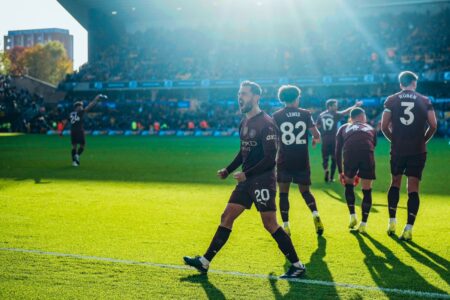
{"type": "Point", "coordinates": [327, 124]}
{"type": "Point", "coordinates": [262, 196]}
{"type": "Point", "coordinates": [288, 137]}
{"type": "Point", "coordinates": [408, 113]}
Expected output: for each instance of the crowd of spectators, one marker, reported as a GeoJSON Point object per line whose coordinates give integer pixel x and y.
{"type": "Point", "coordinates": [370, 45]}
{"type": "Point", "coordinates": [21, 111]}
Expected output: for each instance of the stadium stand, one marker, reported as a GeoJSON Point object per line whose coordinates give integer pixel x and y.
{"type": "Point", "coordinates": [197, 57]}
{"type": "Point", "coordinates": [406, 41]}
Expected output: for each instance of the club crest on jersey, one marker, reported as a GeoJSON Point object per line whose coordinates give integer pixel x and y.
{"type": "Point", "coordinates": [252, 133]}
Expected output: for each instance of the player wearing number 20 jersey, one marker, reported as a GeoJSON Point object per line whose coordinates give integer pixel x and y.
{"type": "Point", "coordinates": [293, 155]}
{"type": "Point", "coordinates": [256, 182]}
{"type": "Point", "coordinates": [409, 123]}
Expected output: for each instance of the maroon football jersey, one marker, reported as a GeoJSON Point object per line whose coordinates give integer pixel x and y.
{"type": "Point", "coordinates": [327, 124]}
{"type": "Point", "coordinates": [259, 136]}
{"type": "Point", "coordinates": [293, 152]}
{"type": "Point", "coordinates": [356, 137]}
{"type": "Point", "coordinates": [76, 120]}
{"type": "Point", "coordinates": [409, 115]}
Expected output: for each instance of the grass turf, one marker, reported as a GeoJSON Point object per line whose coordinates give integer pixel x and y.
{"type": "Point", "coordinates": [157, 199]}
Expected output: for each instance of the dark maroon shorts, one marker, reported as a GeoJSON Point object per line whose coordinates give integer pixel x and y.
{"type": "Point", "coordinates": [361, 163]}
{"type": "Point", "coordinates": [410, 165]}
{"type": "Point", "coordinates": [328, 148]}
{"type": "Point", "coordinates": [298, 177]}
{"type": "Point", "coordinates": [260, 189]}
{"type": "Point", "coordinates": [77, 137]}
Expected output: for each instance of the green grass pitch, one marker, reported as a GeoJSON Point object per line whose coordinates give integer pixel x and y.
{"type": "Point", "coordinates": [154, 200]}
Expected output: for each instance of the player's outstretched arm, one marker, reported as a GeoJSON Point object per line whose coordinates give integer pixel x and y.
{"type": "Point", "coordinates": [386, 124]}
{"type": "Point", "coordinates": [348, 110]}
{"type": "Point", "coordinates": [237, 161]}
{"type": "Point", "coordinates": [432, 125]}
{"type": "Point", "coordinates": [94, 102]}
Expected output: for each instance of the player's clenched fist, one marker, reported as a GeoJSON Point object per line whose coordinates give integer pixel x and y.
{"type": "Point", "coordinates": [240, 176]}
{"type": "Point", "coordinates": [342, 178]}
{"type": "Point", "coordinates": [222, 173]}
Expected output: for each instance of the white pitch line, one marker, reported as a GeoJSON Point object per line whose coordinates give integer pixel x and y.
{"type": "Point", "coordinates": [239, 274]}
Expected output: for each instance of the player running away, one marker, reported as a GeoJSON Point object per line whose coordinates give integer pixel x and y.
{"type": "Point", "coordinates": [77, 131]}
{"type": "Point", "coordinates": [327, 124]}
{"type": "Point", "coordinates": [355, 142]}
{"type": "Point", "coordinates": [293, 156]}
{"type": "Point", "coordinates": [408, 122]}
{"type": "Point", "coordinates": [256, 183]}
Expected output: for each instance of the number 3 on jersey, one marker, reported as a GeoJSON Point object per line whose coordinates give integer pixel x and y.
{"type": "Point", "coordinates": [409, 115]}
{"type": "Point", "coordinates": [287, 133]}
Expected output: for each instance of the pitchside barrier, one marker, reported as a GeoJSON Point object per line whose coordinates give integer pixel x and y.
{"type": "Point", "coordinates": [361, 79]}
{"type": "Point", "coordinates": [198, 133]}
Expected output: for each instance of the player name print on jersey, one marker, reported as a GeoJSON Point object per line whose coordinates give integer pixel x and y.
{"type": "Point", "coordinates": [356, 137]}
{"type": "Point", "coordinates": [361, 127]}
{"type": "Point", "coordinates": [408, 95]}
{"type": "Point", "coordinates": [293, 114]}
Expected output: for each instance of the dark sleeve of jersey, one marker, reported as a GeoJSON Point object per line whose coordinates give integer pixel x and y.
{"type": "Point", "coordinates": [428, 104]}
{"type": "Point", "coordinates": [309, 121]}
{"type": "Point", "coordinates": [339, 145]}
{"type": "Point", "coordinates": [275, 119]}
{"type": "Point", "coordinates": [388, 104]}
{"type": "Point", "coordinates": [237, 161]}
{"type": "Point", "coordinates": [318, 122]}
{"type": "Point", "coordinates": [269, 139]}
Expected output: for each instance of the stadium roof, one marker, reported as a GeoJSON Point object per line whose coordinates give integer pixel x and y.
{"type": "Point", "coordinates": [169, 10]}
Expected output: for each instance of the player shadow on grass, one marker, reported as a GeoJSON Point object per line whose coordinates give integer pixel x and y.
{"type": "Point", "coordinates": [316, 268]}
{"type": "Point", "coordinates": [37, 180]}
{"type": "Point", "coordinates": [385, 205]}
{"type": "Point", "coordinates": [438, 264]}
{"type": "Point", "coordinates": [212, 292]}
{"type": "Point", "coordinates": [336, 191]}
{"type": "Point", "coordinates": [390, 271]}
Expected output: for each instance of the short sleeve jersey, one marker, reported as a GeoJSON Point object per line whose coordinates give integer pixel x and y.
{"type": "Point", "coordinates": [76, 120]}
{"type": "Point", "coordinates": [409, 115]}
{"type": "Point", "coordinates": [356, 137]}
{"type": "Point", "coordinates": [327, 124]}
{"type": "Point", "coordinates": [293, 124]}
